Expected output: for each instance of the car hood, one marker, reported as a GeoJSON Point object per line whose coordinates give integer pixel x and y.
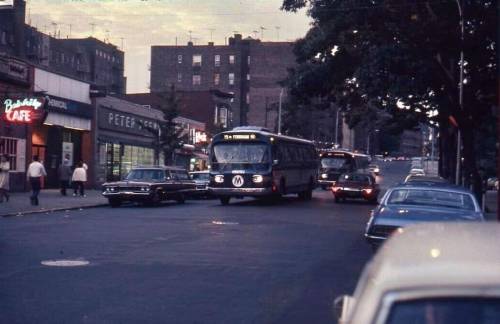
{"type": "Point", "coordinates": [406, 214]}
{"type": "Point", "coordinates": [127, 183]}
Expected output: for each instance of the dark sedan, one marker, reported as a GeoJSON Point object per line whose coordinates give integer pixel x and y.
{"type": "Point", "coordinates": [356, 186]}
{"type": "Point", "coordinates": [201, 179]}
{"type": "Point", "coordinates": [408, 204]}
{"type": "Point", "coordinates": [150, 186]}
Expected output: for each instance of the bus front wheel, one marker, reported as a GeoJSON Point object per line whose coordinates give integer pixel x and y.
{"type": "Point", "coordinates": [224, 200]}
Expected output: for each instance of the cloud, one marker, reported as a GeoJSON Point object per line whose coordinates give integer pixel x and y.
{"type": "Point", "coordinates": [139, 24]}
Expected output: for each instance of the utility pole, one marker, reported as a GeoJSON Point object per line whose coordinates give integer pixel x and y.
{"type": "Point", "coordinates": [279, 111]}
{"type": "Point", "coordinates": [461, 93]}
{"type": "Point", "coordinates": [337, 128]}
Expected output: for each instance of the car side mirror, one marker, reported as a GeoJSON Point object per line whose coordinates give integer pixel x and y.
{"type": "Point", "coordinates": [342, 307]}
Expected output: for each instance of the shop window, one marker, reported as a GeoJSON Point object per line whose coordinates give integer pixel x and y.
{"type": "Point", "coordinates": [179, 77]}
{"type": "Point", "coordinates": [16, 151]}
{"type": "Point", "coordinates": [248, 60]}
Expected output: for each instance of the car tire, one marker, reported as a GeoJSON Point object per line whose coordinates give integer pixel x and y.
{"type": "Point", "coordinates": [224, 200]}
{"type": "Point", "coordinates": [154, 200]}
{"type": "Point", "coordinates": [114, 202]}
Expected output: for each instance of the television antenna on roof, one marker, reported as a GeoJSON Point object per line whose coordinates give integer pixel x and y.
{"type": "Point", "coordinates": [262, 32]}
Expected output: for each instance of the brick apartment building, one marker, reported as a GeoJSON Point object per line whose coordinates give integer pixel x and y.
{"type": "Point", "coordinates": [89, 59]}
{"type": "Point", "coordinates": [248, 68]}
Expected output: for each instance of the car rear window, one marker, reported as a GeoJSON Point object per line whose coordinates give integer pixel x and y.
{"type": "Point", "coordinates": [426, 197]}
{"type": "Point", "coordinates": [446, 311]}
{"type": "Point", "coordinates": [354, 177]}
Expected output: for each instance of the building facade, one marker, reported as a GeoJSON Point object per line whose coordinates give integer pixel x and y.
{"type": "Point", "coordinates": [91, 60]}
{"type": "Point", "coordinates": [247, 68]}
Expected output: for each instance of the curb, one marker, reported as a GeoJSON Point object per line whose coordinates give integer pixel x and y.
{"type": "Point", "coordinates": [51, 210]}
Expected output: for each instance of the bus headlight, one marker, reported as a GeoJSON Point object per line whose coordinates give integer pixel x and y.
{"type": "Point", "coordinates": [219, 178]}
{"type": "Point", "coordinates": [324, 176]}
{"type": "Point", "coordinates": [257, 178]}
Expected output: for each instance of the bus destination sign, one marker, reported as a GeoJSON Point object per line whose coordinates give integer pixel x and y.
{"type": "Point", "coordinates": [236, 137]}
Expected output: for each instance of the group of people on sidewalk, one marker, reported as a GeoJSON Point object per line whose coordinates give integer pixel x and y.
{"type": "Point", "coordinates": [35, 173]}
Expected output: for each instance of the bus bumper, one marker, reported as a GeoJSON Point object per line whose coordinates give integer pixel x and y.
{"type": "Point", "coordinates": [240, 192]}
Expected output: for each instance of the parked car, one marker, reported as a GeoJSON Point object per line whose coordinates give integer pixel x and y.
{"type": "Point", "coordinates": [150, 186]}
{"type": "Point", "coordinates": [424, 180]}
{"type": "Point", "coordinates": [438, 273]}
{"type": "Point", "coordinates": [417, 171]}
{"type": "Point", "coordinates": [356, 186]}
{"type": "Point", "coordinates": [409, 204]}
{"type": "Point", "coordinates": [374, 168]}
{"type": "Point", "coordinates": [492, 183]}
{"type": "Point", "coordinates": [201, 180]}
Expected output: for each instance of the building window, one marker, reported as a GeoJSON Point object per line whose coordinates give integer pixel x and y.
{"type": "Point", "coordinates": [196, 79]}
{"type": "Point", "coordinates": [231, 59]}
{"type": "Point", "coordinates": [216, 78]}
{"type": "Point", "coordinates": [179, 77]}
{"type": "Point", "coordinates": [223, 117]}
{"type": "Point", "coordinates": [231, 78]}
{"type": "Point", "coordinates": [248, 76]}
{"type": "Point", "coordinates": [15, 150]}
{"type": "Point", "coordinates": [179, 58]}
{"type": "Point", "coordinates": [217, 60]}
{"type": "Point", "coordinates": [248, 60]}
{"type": "Point", "coordinates": [197, 60]}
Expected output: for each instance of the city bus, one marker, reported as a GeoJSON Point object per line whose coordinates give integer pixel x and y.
{"type": "Point", "coordinates": [253, 162]}
{"type": "Point", "coordinates": [335, 162]}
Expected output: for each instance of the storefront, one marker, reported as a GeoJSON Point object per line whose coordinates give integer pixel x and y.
{"type": "Point", "coordinates": [125, 137]}
{"type": "Point", "coordinates": [66, 131]}
{"type": "Point", "coordinates": [15, 84]}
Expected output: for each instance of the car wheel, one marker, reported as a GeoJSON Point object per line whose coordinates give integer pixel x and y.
{"type": "Point", "coordinates": [154, 199]}
{"type": "Point", "coordinates": [225, 200]}
{"type": "Point", "coordinates": [115, 202]}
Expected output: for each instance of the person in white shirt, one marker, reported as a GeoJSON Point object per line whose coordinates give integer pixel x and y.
{"type": "Point", "coordinates": [35, 172]}
{"type": "Point", "coordinates": [79, 178]}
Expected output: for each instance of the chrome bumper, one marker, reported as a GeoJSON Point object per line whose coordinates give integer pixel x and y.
{"type": "Point", "coordinates": [326, 182]}
{"type": "Point", "coordinates": [127, 194]}
{"type": "Point", "coordinates": [240, 191]}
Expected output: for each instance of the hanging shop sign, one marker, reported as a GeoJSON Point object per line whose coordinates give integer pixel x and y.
{"type": "Point", "coordinates": [24, 111]}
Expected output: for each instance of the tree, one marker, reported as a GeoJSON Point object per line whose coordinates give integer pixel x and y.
{"type": "Point", "coordinates": [403, 57]}
{"type": "Point", "coordinates": [168, 136]}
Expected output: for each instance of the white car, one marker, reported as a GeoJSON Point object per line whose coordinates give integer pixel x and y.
{"type": "Point", "coordinates": [417, 171]}
{"type": "Point", "coordinates": [439, 273]}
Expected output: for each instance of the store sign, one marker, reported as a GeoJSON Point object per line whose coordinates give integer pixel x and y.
{"type": "Point", "coordinates": [124, 122]}
{"type": "Point", "coordinates": [200, 137]}
{"type": "Point", "coordinates": [54, 103]}
{"type": "Point", "coordinates": [239, 136]}
{"type": "Point", "coordinates": [23, 111]}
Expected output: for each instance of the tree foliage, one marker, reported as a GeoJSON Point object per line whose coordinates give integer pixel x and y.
{"type": "Point", "coordinates": [402, 58]}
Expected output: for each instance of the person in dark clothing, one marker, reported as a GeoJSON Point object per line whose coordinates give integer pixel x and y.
{"type": "Point", "coordinates": [65, 174]}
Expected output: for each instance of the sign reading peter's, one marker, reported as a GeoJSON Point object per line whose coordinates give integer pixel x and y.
{"type": "Point", "coordinates": [24, 111]}
{"type": "Point", "coordinates": [125, 122]}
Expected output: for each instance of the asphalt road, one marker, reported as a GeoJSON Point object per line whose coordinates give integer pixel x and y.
{"type": "Point", "coordinates": [248, 262]}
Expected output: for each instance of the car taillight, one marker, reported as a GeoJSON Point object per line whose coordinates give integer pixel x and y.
{"type": "Point", "coordinates": [367, 190]}
{"type": "Point", "coordinates": [336, 189]}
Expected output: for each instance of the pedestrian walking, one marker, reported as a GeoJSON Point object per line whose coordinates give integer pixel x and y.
{"type": "Point", "coordinates": [65, 174]}
{"type": "Point", "coordinates": [79, 178]}
{"type": "Point", "coordinates": [4, 177]}
{"type": "Point", "coordinates": [36, 171]}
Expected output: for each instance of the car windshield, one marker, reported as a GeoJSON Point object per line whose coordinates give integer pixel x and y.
{"type": "Point", "coordinates": [425, 197]}
{"type": "Point", "coordinates": [240, 156]}
{"type": "Point", "coordinates": [200, 176]}
{"type": "Point", "coordinates": [335, 163]}
{"type": "Point", "coordinates": [446, 311]}
{"type": "Point", "coordinates": [145, 175]}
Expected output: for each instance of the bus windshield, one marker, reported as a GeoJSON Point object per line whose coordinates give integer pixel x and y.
{"type": "Point", "coordinates": [335, 163]}
{"type": "Point", "coordinates": [241, 156]}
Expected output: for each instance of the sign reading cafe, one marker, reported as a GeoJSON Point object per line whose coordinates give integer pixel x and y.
{"type": "Point", "coordinates": [27, 110]}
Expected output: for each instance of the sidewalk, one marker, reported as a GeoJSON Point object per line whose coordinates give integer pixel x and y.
{"type": "Point", "coordinates": [50, 200]}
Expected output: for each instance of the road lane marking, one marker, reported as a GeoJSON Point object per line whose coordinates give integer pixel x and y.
{"type": "Point", "coordinates": [65, 263]}
{"type": "Point", "coordinates": [224, 223]}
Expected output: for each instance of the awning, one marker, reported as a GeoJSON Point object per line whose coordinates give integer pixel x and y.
{"type": "Point", "coordinates": [66, 121]}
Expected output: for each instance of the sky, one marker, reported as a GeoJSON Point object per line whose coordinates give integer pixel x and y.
{"type": "Point", "coordinates": [138, 24]}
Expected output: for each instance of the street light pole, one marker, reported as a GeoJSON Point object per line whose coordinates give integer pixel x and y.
{"type": "Point", "coordinates": [337, 128]}
{"type": "Point", "coordinates": [279, 112]}
{"type": "Point", "coordinates": [461, 93]}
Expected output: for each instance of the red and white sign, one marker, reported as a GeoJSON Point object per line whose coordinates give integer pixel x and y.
{"type": "Point", "coordinates": [23, 111]}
